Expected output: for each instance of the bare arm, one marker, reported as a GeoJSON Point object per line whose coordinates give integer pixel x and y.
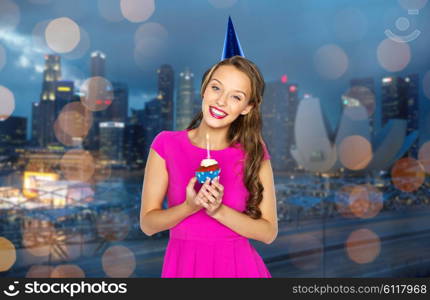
{"type": "Point", "coordinates": [264, 229]}
{"type": "Point", "coordinates": [153, 218]}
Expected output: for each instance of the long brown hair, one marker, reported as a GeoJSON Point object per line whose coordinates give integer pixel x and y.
{"type": "Point", "coordinates": [245, 130]}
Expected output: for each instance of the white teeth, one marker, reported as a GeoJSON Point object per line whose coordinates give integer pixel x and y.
{"type": "Point", "coordinates": [217, 112]}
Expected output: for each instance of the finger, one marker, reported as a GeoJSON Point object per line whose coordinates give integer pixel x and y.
{"type": "Point", "coordinates": [213, 191]}
{"type": "Point", "coordinates": [218, 185]}
{"type": "Point", "coordinates": [209, 196]}
{"type": "Point", "coordinates": [192, 181]}
{"type": "Point", "coordinates": [199, 200]}
{"type": "Point", "coordinates": [205, 205]}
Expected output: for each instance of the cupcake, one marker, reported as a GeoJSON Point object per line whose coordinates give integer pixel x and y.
{"type": "Point", "coordinates": [209, 168]}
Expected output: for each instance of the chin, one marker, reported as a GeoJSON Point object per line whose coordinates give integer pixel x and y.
{"type": "Point", "coordinates": [214, 123]}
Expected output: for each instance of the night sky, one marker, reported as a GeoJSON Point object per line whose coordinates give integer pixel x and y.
{"type": "Point", "coordinates": [280, 36]}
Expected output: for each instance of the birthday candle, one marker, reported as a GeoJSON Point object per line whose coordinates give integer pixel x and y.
{"type": "Point", "coordinates": [207, 145]}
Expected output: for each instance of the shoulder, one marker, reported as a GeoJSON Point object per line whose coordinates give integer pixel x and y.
{"type": "Point", "coordinates": [166, 135]}
{"type": "Point", "coordinates": [162, 141]}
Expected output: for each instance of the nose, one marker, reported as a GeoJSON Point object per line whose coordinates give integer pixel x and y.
{"type": "Point", "coordinates": [221, 100]}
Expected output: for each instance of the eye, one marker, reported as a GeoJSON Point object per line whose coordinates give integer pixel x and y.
{"type": "Point", "coordinates": [237, 98]}
{"type": "Point", "coordinates": [215, 88]}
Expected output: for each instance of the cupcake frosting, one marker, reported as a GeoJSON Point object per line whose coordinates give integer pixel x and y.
{"type": "Point", "coordinates": [208, 162]}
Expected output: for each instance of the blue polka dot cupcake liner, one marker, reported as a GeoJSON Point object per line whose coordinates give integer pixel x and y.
{"type": "Point", "coordinates": [201, 176]}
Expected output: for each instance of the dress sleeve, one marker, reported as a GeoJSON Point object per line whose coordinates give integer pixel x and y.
{"type": "Point", "coordinates": [266, 152]}
{"type": "Point", "coordinates": [158, 144]}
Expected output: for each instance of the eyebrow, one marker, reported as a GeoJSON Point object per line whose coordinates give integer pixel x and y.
{"type": "Point", "coordinates": [235, 90]}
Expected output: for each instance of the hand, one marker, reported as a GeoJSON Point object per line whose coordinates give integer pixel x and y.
{"type": "Point", "coordinates": [212, 196]}
{"type": "Point", "coordinates": [193, 200]}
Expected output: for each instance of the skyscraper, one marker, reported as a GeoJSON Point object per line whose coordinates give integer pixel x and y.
{"type": "Point", "coordinates": [47, 105]}
{"type": "Point", "coordinates": [134, 146]}
{"type": "Point", "coordinates": [153, 122]}
{"type": "Point", "coordinates": [362, 92]}
{"type": "Point", "coordinates": [98, 62]}
{"type": "Point", "coordinates": [112, 142]}
{"type": "Point", "coordinates": [275, 124]}
{"type": "Point", "coordinates": [51, 74]}
{"type": "Point", "coordinates": [293, 102]}
{"type": "Point", "coordinates": [36, 120]}
{"type": "Point", "coordinates": [400, 101]}
{"type": "Point", "coordinates": [185, 100]}
{"type": "Point", "coordinates": [413, 116]}
{"type": "Point", "coordinates": [197, 105]}
{"type": "Point", "coordinates": [394, 105]}
{"type": "Point", "coordinates": [165, 94]}
{"type": "Point", "coordinates": [13, 134]}
{"type": "Point", "coordinates": [64, 91]}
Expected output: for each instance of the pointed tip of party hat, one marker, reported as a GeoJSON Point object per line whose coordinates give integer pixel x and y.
{"type": "Point", "coordinates": [231, 42]}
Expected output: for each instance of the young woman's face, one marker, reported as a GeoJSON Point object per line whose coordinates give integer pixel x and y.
{"type": "Point", "coordinates": [226, 97]}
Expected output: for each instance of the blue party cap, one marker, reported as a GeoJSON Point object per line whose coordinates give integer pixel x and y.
{"type": "Point", "coordinates": [231, 43]}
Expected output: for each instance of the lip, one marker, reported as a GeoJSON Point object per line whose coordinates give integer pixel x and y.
{"type": "Point", "coordinates": [215, 116]}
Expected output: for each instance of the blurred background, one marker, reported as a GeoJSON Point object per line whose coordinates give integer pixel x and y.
{"type": "Point", "coordinates": [85, 86]}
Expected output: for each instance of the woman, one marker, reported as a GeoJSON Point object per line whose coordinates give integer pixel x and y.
{"type": "Point", "coordinates": [210, 224]}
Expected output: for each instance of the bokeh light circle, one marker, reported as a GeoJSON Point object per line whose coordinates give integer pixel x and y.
{"type": "Point", "coordinates": [355, 152]}
{"type": "Point", "coordinates": [67, 271]}
{"type": "Point", "coordinates": [9, 16]}
{"type": "Point", "coordinates": [393, 56]}
{"type": "Point", "coordinates": [407, 174]}
{"type": "Point", "coordinates": [363, 246]}
{"type": "Point", "coordinates": [426, 84]}
{"type": "Point", "coordinates": [97, 93]}
{"type": "Point", "coordinates": [110, 10]}
{"type": "Point", "coordinates": [150, 38]}
{"type": "Point", "coordinates": [39, 271]}
{"type": "Point", "coordinates": [350, 24]}
{"type": "Point", "coordinates": [150, 44]}
{"type": "Point", "coordinates": [7, 254]}
{"type": "Point", "coordinates": [62, 35]}
{"type": "Point", "coordinates": [331, 61]}
{"type": "Point", "coordinates": [424, 156]}
{"type": "Point", "coordinates": [2, 57]}
{"type": "Point", "coordinates": [81, 48]}
{"type": "Point", "coordinates": [137, 10]}
{"type": "Point", "coordinates": [222, 3]}
{"type": "Point", "coordinates": [365, 201]}
{"type": "Point", "coordinates": [77, 164]}
{"type": "Point", "coordinates": [118, 261]}
{"type": "Point", "coordinates": [7, 103]}
{"type": "Point", "coordinates": [75, 119]}
{"type": "Point", "coordinates": [64, 138]}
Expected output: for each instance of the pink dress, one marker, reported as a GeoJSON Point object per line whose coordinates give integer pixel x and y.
{"type": "Point", "coordinates": [200, 246]}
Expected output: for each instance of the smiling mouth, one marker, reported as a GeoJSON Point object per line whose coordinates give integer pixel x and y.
{"type": "Point", "coordinates": [216, 113]}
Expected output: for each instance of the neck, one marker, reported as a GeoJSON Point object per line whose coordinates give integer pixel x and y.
{"type": "Point", "coordinates": [217, 136]}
